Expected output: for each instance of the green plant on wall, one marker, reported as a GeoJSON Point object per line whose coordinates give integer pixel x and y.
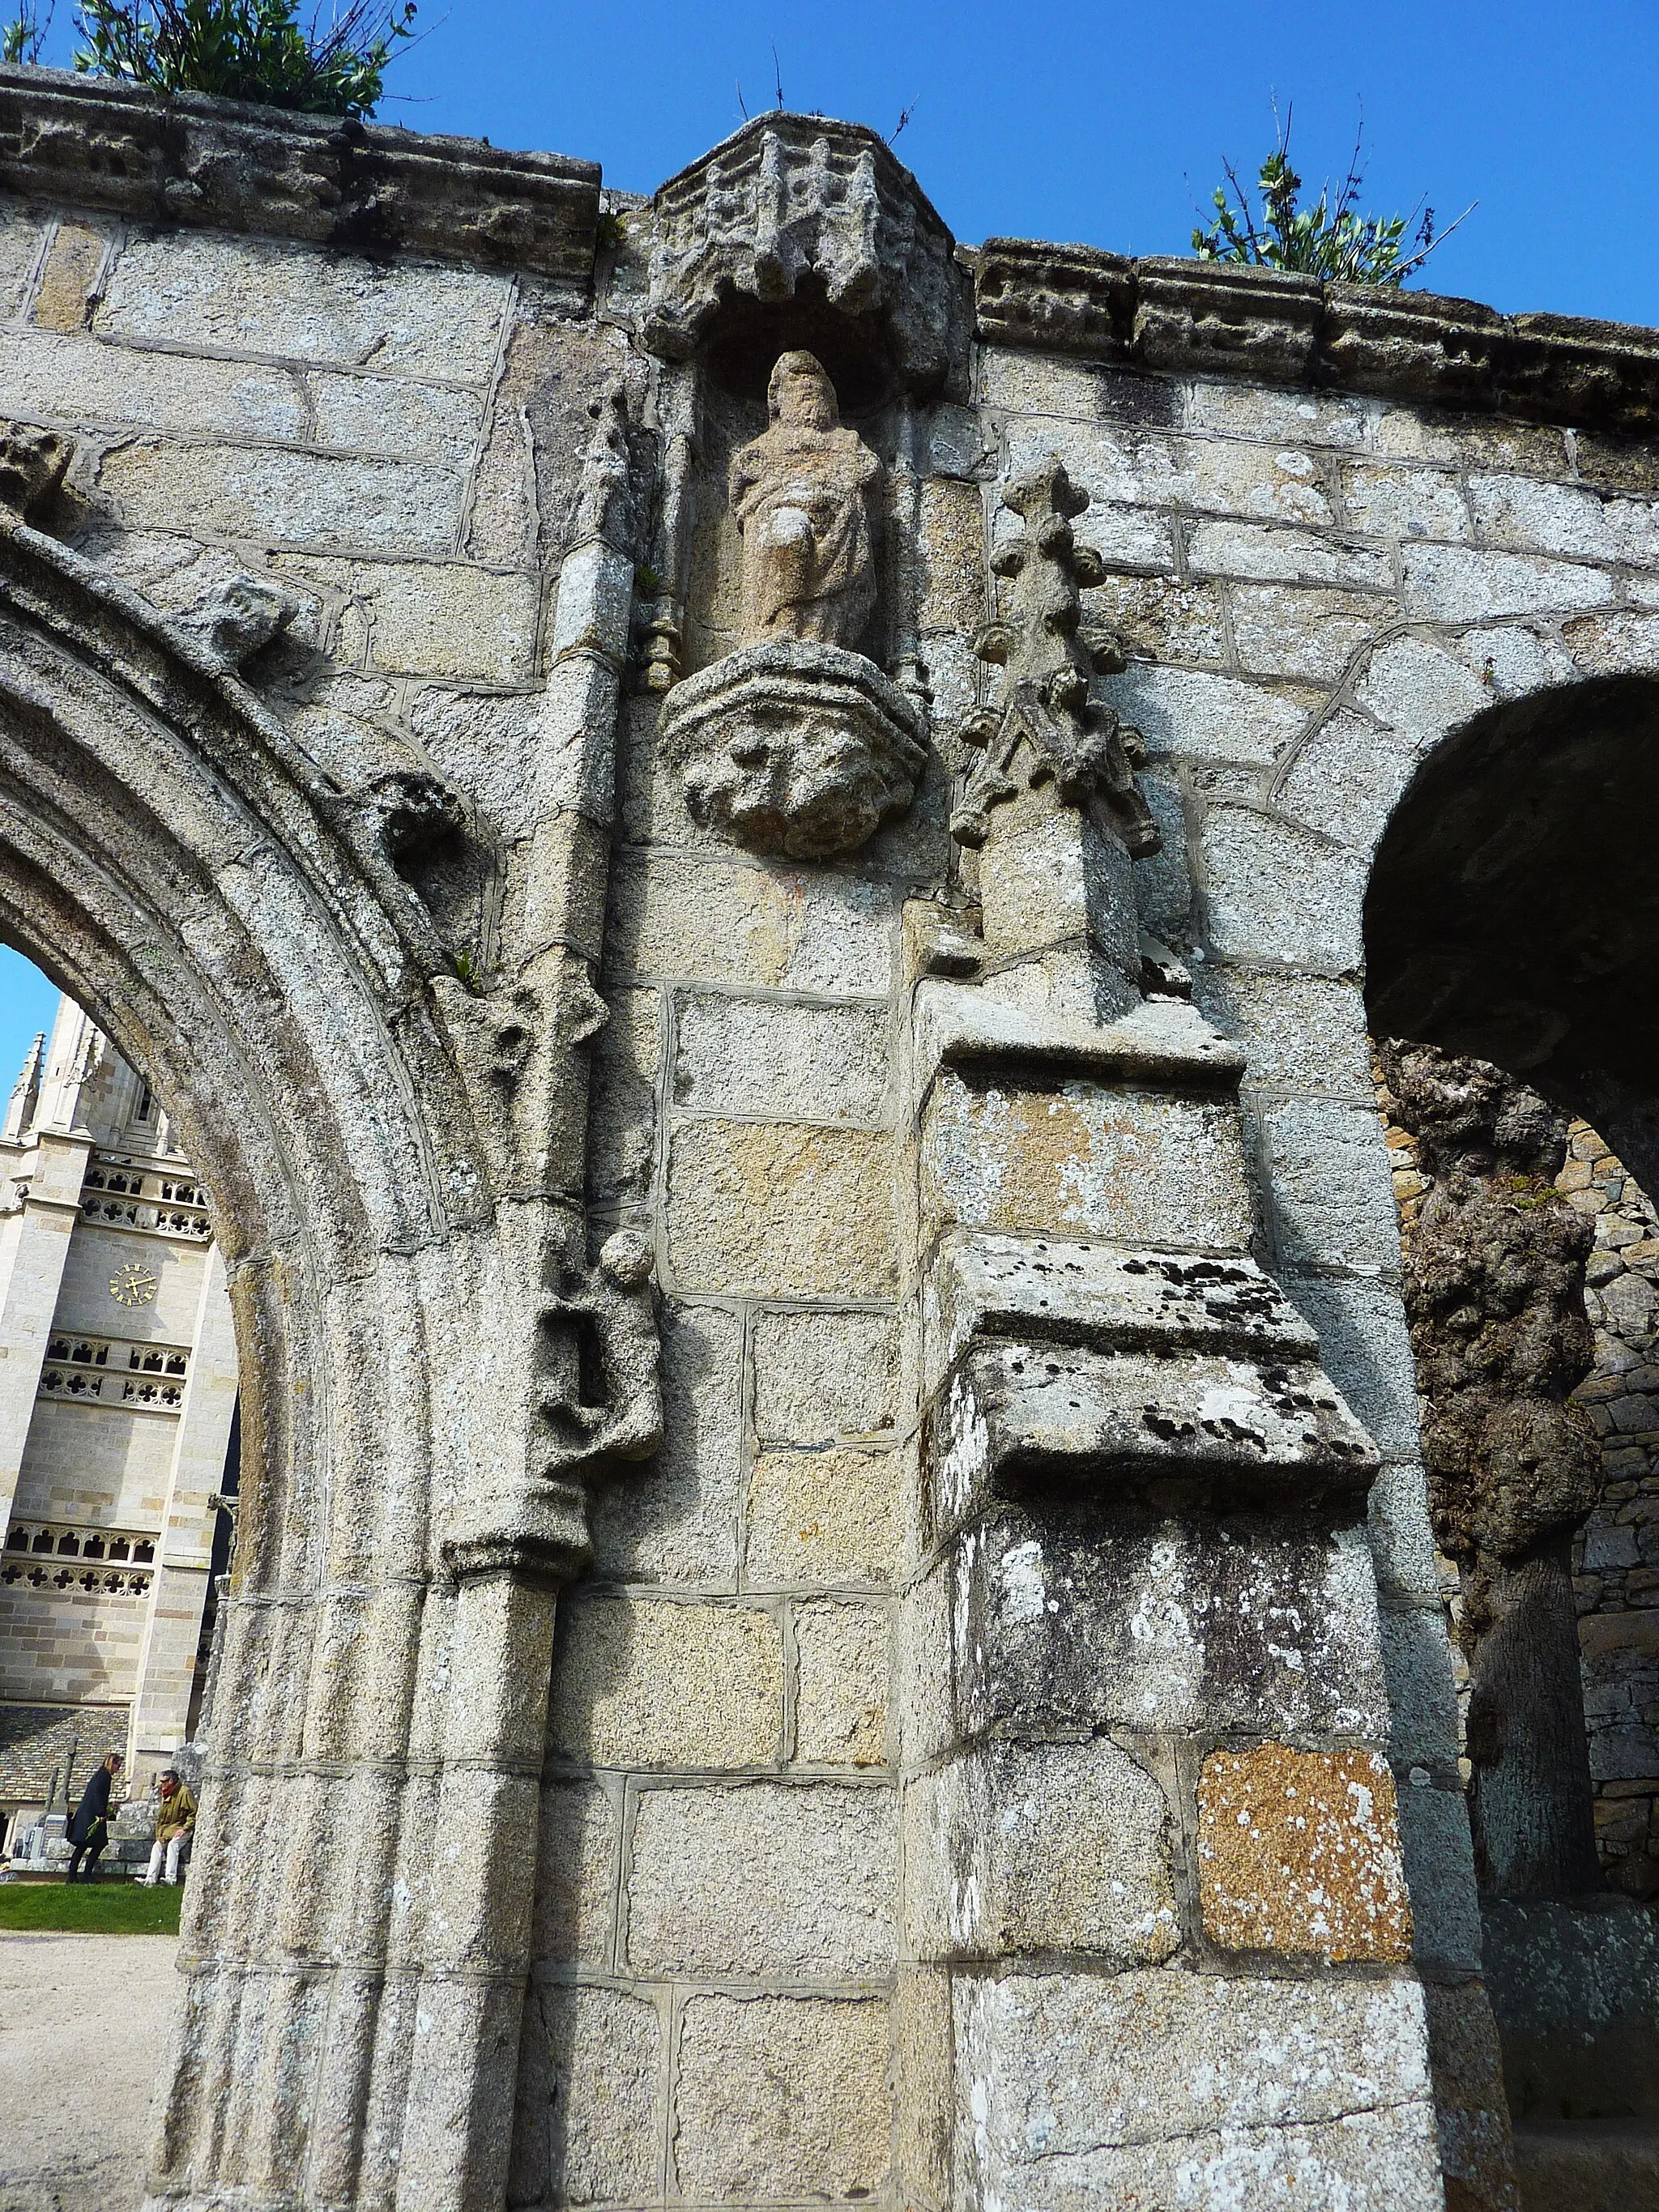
{"type": "Point", "coordinates": [1330, 239]}
{"type": "Point", "coordinates": [258, 50]}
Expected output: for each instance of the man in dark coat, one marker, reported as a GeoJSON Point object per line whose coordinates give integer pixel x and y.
{"type": "Point", "coordinates": [89, 1827]}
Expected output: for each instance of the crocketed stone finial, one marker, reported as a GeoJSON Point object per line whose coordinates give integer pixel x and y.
{"type": "Point", "coordinates": [1044, 727]}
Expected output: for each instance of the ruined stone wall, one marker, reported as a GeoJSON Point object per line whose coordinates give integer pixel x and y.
{"type": "Point", "coordinates": [1614, 1555]}
{"type": "Point", "coordinates": [842, 1762]}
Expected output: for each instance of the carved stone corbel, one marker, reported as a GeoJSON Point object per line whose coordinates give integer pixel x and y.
{"type": "Point", "coordinates": [239, 618]}
{"type": "Point", "coordinates": [33, 464]}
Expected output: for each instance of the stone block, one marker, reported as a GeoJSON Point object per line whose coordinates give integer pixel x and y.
{"type": "Point", "coordinates": [782, 2099]}
{"type": "Point", "coordinates": [1332, 1195]}
{"type": "Point", "coordinates": [1472, 2113]}
{"type": "Point", "coordinates": [776, 1209]}
{"type": "Point", "coordinates": [1306, 636]}
{"type": "Point", "coordinates": [1298, 1852]}
{"type": "Point", "coordinates": [754, 1056]}
{"type": "Point", "coordinates": [1259, 552]}
{"type": "Point", "coordinates": [841, 1692]}
{"type": "Point", "coordinates": [78, 380]}
{"type": "Point", "coordinates": [1122, 466]}
{"type": "Point", "coordinates": [1529, 516]}
{"type": "Point", "coordinates": [1086, 1158]}
{"type": "Point", "coordinates": [1242, 409]}
{"type": "Point", "coordinates": [952, 549]}
{"type": "Point", "coordinates": [285, 497]}
{"type": "Point", "coordinates": [1346, 780]}
{"type": "Point", "coordinates": [1190, 715]}
{"type": "Point", "coordinates": [768, 1878]}
{"type": "Point", "coordinates": [1454, 583]}
{"type": "Point", "coordinates": [1439, 1858]}
{"type": "Point", "coordinates": [1089, 2092]}
{"type": "Point", "coordinates": [1164, 883]}
{"type": "Point", "coordinates": [1613, 644]}
{"type": "Point", "coordinates": [622, 1112]}
{"type": "Point", "coordinates": [676, 1520]}
{"type": "Point", "coordinates": [1299, 1032]}
{"type": "Point", "coordinates": [1276, 894]}
{"type": "Point", "coordinates": [1164, 1624]}
{"type": "Point", "coordinates": [590, 2120]}
{"type": "Point", "coordinates": [826, 1378]}
{"type": "Point", "coordinates": [250, 295]}
{"type": "Point", "coordinates": [389, 414]}
{"type": "Point", "coordinates": [1160, 618]}
{"type": "Point", "coordinates": [1366, 1352]}
{"type": "Point", "coordinates": [722, 921]}
{"type": "Point", "coordinates": [576, 1873]}
{"type": "Point", "coordinates": [448, 619]}
{"type": "Point", "coordinates": [1058, 1847]}
{"type": "Point", "coordinates": [1405, 502]}
{"type": "Point", "coordinates": [1416, 1665]}
{"type": "Point", "coordinates": [63, 293]}
{"type": "Point", "coordinates": [824, 1518]}
{"type": "Point", "coordinates": [1026, 383]}
{"type": "Point", "coordinates": [21, 236]}
{"type": "Point", "coordinates": [654, 1683]}
{"type": "Point", "coordinates": [1402, 1540]}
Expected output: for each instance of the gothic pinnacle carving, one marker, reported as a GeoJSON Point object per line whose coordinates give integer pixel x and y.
{"type": "Point", "coordinates": [1043, 726]}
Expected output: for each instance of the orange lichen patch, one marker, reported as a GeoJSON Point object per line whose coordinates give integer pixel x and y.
{"type": "Point", "coordinates": [1299, 1851]}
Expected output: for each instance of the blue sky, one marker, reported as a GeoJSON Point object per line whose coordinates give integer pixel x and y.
{"type": "Point", "coordinates": [1102, 123]}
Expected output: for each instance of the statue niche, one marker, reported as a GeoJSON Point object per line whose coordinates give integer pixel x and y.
{"type": "Point", "coordinates": [797, 742]}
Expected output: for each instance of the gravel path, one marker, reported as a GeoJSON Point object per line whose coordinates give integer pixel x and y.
{"type": "Point", "coordinates": [84, 2022]}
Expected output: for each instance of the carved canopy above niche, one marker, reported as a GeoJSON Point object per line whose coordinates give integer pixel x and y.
{"type": "Point", "coordinates": [797, 215]}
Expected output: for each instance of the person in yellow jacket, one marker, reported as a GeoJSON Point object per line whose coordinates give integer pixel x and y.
{"type": "Point", "coordinates": [175, 1817]}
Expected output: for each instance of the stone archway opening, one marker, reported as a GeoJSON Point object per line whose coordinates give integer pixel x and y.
{"type": "Point", "coordinates": [1513, 909]}
{"type": "Point", "coordinates": [1510, 924]}
{"type": "Point", "coordinates": [119, 1464]}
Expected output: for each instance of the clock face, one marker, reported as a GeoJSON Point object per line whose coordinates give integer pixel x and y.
{"type": "Point", "coordinates": [133, 1286]}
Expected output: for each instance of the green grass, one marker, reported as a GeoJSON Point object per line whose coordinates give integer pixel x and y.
{"type": "Point", "coordinates": [100, 1908]}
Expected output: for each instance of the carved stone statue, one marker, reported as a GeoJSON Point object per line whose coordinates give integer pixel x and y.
{"type": "Point", "coordinates": [802, 494]}
{"type": "Point", "coordinates": [797, 742]}
{"type": "Point", "coordinates": [33, 464]}
{"type": "Point", "coordinates": [617, 1303]}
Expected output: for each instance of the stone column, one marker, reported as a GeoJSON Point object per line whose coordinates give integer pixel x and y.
{"type": "Point", "coordinates": [184, 1552]}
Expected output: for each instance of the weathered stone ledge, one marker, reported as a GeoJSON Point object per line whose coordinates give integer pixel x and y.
{"type": "Point", "coordinates": [219, 165]}
{"type": "Point", "coordinates": [1201, 317]}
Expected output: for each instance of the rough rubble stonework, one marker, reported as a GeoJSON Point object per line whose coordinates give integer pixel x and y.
{"type": "Point", "coordinates": [810, 1810]}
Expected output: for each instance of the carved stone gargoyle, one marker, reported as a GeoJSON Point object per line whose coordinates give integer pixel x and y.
{"type": "Point", "coordinates": [1043, 726]}
{"type": "Point", "coordinates": [797, 742]}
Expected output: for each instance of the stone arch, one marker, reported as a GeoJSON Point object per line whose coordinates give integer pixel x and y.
{"type": "Point", "coordinates": [235, 921]}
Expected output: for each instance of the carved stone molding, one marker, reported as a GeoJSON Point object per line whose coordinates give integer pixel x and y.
{"type": "Point", "coordinates": [1168, 314]}
{"type": "Point", "coordinates": [794, 748]}
{"type": "Point", "coordinates": [1044, 726]}
{"type": "Point", "coordinates": [1103, 1373]}
{"type": "Point", "coordinates": [794, 198]}
{"type": "Point", "coordinates": [224, 165]}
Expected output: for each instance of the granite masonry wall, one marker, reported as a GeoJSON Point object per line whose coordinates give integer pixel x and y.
{"type": "Point", "coordinates": [750, 1980]}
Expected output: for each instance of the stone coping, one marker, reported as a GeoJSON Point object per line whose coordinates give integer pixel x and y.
{"type": "Point", "coordinates": [1208, 318]}
{"type": "Point", "coordinates": [221, 165]}
{"type": "Point", "coordinates": [100, 144]}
